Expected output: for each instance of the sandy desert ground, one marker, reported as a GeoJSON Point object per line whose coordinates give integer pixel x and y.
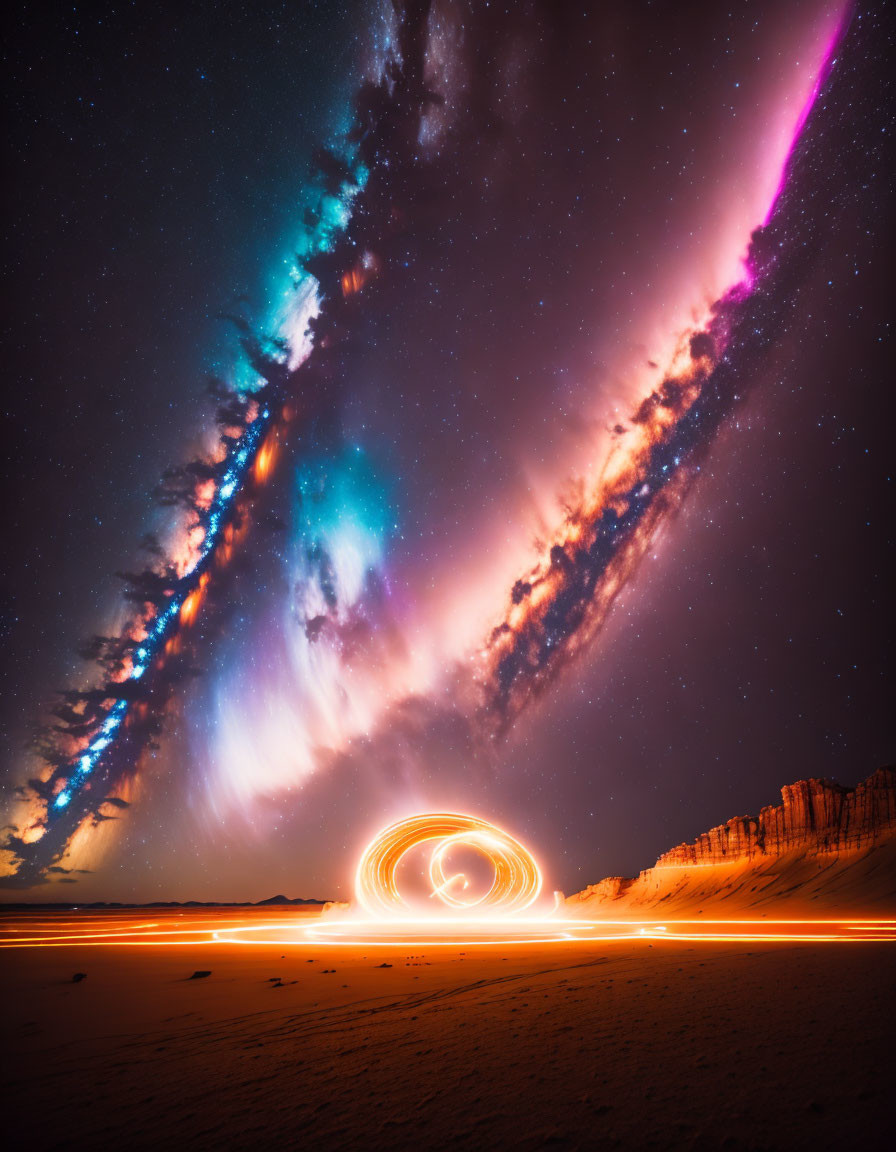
{"type": "Point", "coordinates": [643, 1042]}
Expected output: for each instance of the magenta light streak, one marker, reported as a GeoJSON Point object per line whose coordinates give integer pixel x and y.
{"type": "Point", "coordinates": [824, 72]}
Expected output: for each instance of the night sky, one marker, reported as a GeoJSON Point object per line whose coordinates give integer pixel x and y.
{"type": "Point", "coordinates": [542, 521]}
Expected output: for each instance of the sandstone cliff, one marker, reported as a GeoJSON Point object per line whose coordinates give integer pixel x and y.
{"type": "Point", "coordinates": [815, 815]}
{"type": "Point", "coordinates": [824, 846]}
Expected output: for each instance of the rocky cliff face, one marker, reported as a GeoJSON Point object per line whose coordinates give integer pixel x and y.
{"type": "Point", "coordinates": [824, 848]}
{"type": "Point", "coordinates": [818, 816]}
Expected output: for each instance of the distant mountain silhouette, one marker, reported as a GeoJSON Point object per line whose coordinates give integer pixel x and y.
{"type": "Point", "coordinates": [286, 900]}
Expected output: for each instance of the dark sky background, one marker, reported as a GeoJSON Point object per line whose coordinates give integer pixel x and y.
{"type": "Point", "coordinates": [594, 173]}
{"type": "Point", "coordinates": [155, 156]}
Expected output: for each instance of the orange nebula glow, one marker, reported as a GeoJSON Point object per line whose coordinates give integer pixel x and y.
{"type": "Point", "coordinates": [361, 274]}
{"type": "Point", "coordinates": [352, 282]}
{"type": "Point", "coordinates": [190, 607]}
{"type": "Point", "coordinates": [264, 461]}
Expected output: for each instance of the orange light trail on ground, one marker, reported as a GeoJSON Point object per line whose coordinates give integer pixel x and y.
{"type": "Point", "coordinates": [557, 931]}
{"type": "Point", "coordinates": [491, 919]}
{"type": "Point", "coordinates": [290, 931]}
{"type": "Point", "coordinates": [24, 932]}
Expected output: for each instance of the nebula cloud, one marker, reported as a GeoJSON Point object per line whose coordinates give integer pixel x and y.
{"type": "Point", "coordinates": [367, 647]}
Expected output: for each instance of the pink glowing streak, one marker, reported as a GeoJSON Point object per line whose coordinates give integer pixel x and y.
{"type": "Point", "coordinates": [821, 77]}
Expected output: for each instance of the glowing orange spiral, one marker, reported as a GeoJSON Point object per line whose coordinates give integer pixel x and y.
{"type": "Point", "coordinates": [517, 881]}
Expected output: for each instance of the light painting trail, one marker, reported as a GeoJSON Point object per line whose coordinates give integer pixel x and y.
{"type": "Point", "coordinates": [501, 916]}
{"type": "Point", "coordinates": [517, 878]}
{"type": "Point", "coordinates": [257, 928]}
